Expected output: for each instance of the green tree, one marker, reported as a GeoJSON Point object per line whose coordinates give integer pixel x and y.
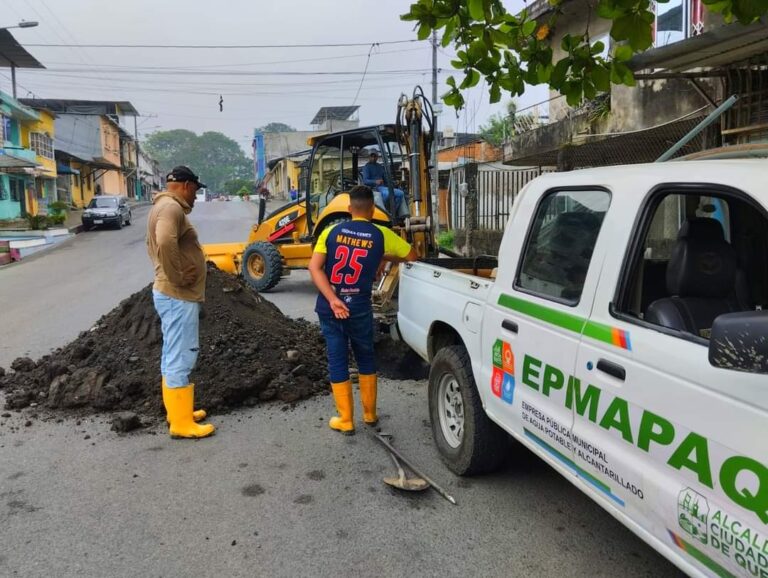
{"type": "Point", "coordinates": [232, 186]}
{"type": "Point", "coordinates": [212, 155]}
{"type": "Point", "coordinates": [500, 125]}
{"type": "Point", "coordinates": [510, 50]}
{"type": "Point", "coordinates": [277, 127]}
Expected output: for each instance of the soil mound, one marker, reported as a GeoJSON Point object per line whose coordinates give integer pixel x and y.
{"type": "Point", "coordinates": [249, 352]}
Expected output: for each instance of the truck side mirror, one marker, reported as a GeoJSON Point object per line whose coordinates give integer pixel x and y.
{"type": "Point", "coordinates": [739, 341]}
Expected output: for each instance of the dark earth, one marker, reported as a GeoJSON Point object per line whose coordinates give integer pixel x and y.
{"type": "Point", "coordinates": [249, 353]}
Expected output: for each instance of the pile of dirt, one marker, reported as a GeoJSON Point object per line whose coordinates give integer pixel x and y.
{"type": "Point", "coordinates": [249, 352]}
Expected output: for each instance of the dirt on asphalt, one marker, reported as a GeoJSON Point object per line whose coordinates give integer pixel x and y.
{"type": "Point", "coordinates": [249, 352]}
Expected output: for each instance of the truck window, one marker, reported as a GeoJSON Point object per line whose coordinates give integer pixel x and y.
{"type": "Point", "coordinates": [701, 255]}
{"type": "Point", "coordinates": [560, 244]}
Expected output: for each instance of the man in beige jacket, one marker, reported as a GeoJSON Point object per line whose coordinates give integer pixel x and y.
{"type": "Point", "coordinates": [178, 291]}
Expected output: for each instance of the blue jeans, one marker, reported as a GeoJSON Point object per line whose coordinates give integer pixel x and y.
{"type": "Point", "coordinates": [180, 322]}
{"type": "Point", "coordinates": [356, 331]}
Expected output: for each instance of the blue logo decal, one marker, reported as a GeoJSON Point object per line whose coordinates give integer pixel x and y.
{"type": "Point", "coordinates": [508, 388]}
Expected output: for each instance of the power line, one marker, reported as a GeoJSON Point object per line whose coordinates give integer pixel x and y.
{"type": "Point", "coordinates": [362, 79]}
{"type": "Point", "coordinates": [220, 46]}
{"type": "Point", "coordinates": [108, 67]}
{"type": "Point", "coordinates": [139, 71]}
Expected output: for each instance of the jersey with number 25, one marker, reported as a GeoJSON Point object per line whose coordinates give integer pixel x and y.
{"type": "Point", "coordinates": [354, 250]}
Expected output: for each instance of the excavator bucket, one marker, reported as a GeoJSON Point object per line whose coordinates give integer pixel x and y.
{"type": "Point", "coordinates": [226, 256]}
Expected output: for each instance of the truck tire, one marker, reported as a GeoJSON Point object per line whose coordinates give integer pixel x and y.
{"type": "Point", "coordinates": [262, 266]}
{"type": "Point", "coordinates": [468, 441]}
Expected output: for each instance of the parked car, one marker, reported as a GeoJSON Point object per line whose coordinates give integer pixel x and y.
{"type": "Point", "coordinates": [107, 210]}
{"type": "Point", "coordinates": [620, 336]}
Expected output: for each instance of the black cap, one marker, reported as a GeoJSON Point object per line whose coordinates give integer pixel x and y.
{"type": "Point", "coordinates": [182, 174]}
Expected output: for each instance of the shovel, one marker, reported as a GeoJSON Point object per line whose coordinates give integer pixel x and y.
{"type": "Point", "coordinates": [403, 483]}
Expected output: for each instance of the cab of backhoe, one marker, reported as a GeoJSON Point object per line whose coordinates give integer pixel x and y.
{"type": "Point", "coordinates": [337, 163]}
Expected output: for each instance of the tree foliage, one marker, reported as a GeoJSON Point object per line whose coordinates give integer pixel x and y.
{"type": "Point", "coordinates": [276, 127]}
{"type": "Point", "coordinates": [215, 157]}
{"type": "Point", "coordinates": [233, 186]}
{"type": "Point", "coordinates": [510, 50]}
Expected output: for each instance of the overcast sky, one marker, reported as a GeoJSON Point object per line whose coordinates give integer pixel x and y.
{"type": "Point", "coordinates": [177, 89]}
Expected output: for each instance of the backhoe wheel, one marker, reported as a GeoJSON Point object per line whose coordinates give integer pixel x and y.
{"type": "Point", "coordinates": [262, 266]}
{"type": "Point", "coordinates": [468, 441]}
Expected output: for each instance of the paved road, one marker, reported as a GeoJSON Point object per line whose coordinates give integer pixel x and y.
{"type": "Point", "coordinates": [274, 493]}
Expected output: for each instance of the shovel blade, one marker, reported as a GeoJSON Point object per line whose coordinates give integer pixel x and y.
{"type": "Point", "coordinates": [409, 485]}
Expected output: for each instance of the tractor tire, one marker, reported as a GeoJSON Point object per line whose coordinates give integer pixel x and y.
{"type": "Point", "coordinates": [468, 441]}
{"type": "Point", "coordinates": [262, 266]}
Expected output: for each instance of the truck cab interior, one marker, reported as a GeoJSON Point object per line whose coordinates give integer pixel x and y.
{"type": "Point", "coordinates": [701, 255]}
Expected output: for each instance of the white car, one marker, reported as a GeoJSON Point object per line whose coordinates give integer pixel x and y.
{"type": "Point", "coordinates": [623, 337]}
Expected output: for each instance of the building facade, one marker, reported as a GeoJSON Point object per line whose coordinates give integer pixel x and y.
{"type": "Point", "coordinates": [27, 174]}
{"type": "Point", "coordinates": [696, 62]}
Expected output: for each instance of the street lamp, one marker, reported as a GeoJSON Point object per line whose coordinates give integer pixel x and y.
{"type": "Point", "coordinates": [22, 24]}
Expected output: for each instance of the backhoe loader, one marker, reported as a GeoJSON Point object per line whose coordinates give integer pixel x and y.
{"type": "Point", "coordinates": [284, 240]}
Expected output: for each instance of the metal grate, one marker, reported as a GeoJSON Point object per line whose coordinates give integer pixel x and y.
{"type": "Point", "coordinates": [747, 120]}
{"type": "Point", "coordinates": [496, 192]}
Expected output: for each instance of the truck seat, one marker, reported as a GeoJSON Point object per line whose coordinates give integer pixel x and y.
{"type": "Point", "coordinates": [701, 279]}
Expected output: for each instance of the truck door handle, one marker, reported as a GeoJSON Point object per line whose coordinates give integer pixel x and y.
{"type": "Point", "coordinates": [611, 368]}
{"type": "Point", "coordinates": [509, 325]}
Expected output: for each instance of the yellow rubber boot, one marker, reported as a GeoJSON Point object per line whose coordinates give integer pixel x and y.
{"type": "Point", "coordinates": [179, 402]}
{"type": "Point", "coordinates": [368, 398]}
{"type": "Point", "coordinates": [197, 415]}
{"type": "Point", "coordinates": [342, 395]}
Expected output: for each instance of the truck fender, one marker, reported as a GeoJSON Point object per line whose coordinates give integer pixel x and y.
{"type": "Point", "coordinates": [442, 335]}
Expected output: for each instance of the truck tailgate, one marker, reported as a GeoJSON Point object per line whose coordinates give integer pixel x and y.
{"type": "Point", "coordinates": [429, 293]}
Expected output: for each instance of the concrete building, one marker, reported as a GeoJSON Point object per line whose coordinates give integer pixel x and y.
{"type": "Point", "coordinates": [19, 165]}
{"type": "Point", "coordinates": [696, 63]}
{"type": "Point", "coordinates": [95, 145]}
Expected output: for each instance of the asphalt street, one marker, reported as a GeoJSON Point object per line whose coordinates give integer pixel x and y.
{"type": "Point", "coordinates": [275, 492]}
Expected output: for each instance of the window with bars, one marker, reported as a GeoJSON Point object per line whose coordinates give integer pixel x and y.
{"type": "Point", "coordinates": [42, 144]}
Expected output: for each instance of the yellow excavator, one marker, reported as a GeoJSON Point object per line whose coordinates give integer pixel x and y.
{"type": "Point", "coordinates": [285, 239]}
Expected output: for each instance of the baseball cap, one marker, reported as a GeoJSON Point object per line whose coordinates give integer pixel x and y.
{"type": "Point", "coordinates": [182, 174]}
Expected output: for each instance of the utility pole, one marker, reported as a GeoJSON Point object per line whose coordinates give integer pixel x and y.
{"type": "Point", "coordinates": [435, 193]}
{"type": "Point", "coordinates": [138, 170]}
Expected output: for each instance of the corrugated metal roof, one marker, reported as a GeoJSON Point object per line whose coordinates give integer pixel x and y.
{"type": "Point", "coordinates": [71, 106]}
{"type": "Point", "coordinates": [14, 54]}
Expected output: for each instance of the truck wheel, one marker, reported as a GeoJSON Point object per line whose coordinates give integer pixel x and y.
{"type": "Point", "coordinates": [262, 266]}
{"type": "Point", "coordinates": [468, 441]}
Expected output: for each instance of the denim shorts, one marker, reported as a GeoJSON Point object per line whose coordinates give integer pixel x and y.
{"type": "Point", "coordinates": [180, 322]}
{"type": "Point", "coordinates": [357, 331]}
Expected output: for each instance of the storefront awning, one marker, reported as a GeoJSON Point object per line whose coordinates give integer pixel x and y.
{"type": "Point", "coordinates": [9, 162]}
{"type": "Point", "coordinates": [718, 47]}
{"type": "Point", "coordinates": [63, 169]}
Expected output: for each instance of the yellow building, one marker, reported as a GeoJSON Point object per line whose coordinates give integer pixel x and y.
{"type": "Point", "coordinates": [111, 181]}
{"type": "Point", "coordinates": [38, 136]}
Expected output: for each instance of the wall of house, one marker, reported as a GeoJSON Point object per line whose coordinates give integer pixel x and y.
{"type": "Point", "coordinates": [110, 142]}
{"type": "Point", "coordinates": [10, 208]}
{"type": "Point", "coordinates": [478, 151]}
{"type": "Point", "coordinates": [648, 104]}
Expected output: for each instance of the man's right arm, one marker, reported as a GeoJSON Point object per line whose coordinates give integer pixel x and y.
{"type": "Point", "coordinates": [167, 239]}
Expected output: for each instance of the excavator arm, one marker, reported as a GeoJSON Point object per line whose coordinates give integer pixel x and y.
{"type": "Point", "coordinates": [415, 130]}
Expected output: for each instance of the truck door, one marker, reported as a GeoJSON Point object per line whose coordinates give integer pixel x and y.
{"type": "Point", "coordinates": [535, 313]}
{"type": "Point", "coordinates": [675, 444]}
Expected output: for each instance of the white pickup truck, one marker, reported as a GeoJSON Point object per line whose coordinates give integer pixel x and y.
{"type": "Point", "coordinates": [623, 337]}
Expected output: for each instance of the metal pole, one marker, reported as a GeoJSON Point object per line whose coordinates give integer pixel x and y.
{"type": "Point", "coordinates": [435, 175]}
{"type": "Point", "coordinates": [138, 170]}
{"type": "Point", "coordinates": [13, 79]}
{"type": "Point", "coordinates": [711, 117]}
